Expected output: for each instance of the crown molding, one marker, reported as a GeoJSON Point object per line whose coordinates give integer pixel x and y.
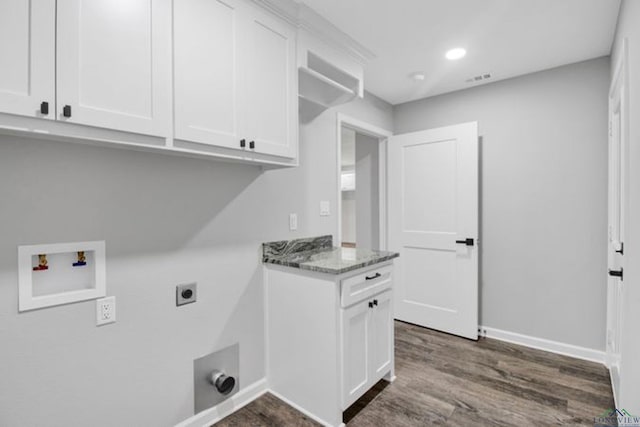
{"type": "Point", "coordinates": [307, 19]}
{"type": "Point", "coordinates": [285, 9]}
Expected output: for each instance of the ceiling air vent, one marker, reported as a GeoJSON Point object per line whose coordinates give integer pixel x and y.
{"type": "Point", "coordinates": [478, 78]}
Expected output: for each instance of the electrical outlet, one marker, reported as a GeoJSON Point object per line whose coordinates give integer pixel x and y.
{"type": "Point", "coordinates": [293, 221]}
{"type": "Point", "coordinates": [186, 294]}
{"type": "Point", "coordinates": [105, 311]}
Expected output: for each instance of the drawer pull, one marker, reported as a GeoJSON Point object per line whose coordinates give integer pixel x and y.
{"type": "Point", "coordinates": [375, 276]}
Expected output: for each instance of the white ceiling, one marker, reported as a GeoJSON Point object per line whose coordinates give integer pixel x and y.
{"type": "Point", "coordinates": [505, 38]}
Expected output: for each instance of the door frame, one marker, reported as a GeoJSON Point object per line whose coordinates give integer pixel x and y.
{"type": "Point", "coordinates": [618, 95]}
{"type": "Point", "coordinates": [382, 135]}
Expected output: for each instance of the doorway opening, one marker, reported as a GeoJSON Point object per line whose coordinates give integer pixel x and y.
{"type": "Point", "coordinates": [362, 184]}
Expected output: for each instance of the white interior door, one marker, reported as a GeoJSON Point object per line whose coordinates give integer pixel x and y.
{"type": "Point", "coordinates": [113, 62]}
{"type": "Point", "coordinates": [27, 57]}
{"type": "Point", "coordinates": [433, 223]}
{"type": "Point", "coordinates": [617, 219]}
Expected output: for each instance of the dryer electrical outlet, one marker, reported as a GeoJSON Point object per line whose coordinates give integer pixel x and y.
{"type": "Point", "coordinates": [186, 294]}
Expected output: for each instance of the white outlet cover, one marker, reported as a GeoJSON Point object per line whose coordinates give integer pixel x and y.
{"type": "Point", "coordinates": [325, 208]}
{"type": "Point", "coordinates": [293, 221]}
{"type": "Point", "coordinates": [105, 311]}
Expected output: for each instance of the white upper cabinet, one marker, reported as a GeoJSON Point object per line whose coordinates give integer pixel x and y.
{"type": "Point", "coordinates": [113, 63]}
{"type": "Point", "coordinates": [269, 109]}
{"type": "Point", "coordinates": [234, 77]}
{"type": "Point", "coordinates": [205, 71]}
{"type": "Point", "coordinates": [216, 78]}
{"type": "Point", "coordinates": [27, 57]}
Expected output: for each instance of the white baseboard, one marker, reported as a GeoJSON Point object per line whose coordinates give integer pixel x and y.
{"type": "Point", "coordinates": [304, 411]}
{"type": "Point", "coordinates": [613, 390]}
{"type": "Point", "coordinates": [570, 350]}
{"type": "Point", "coordinates": [228, 407]}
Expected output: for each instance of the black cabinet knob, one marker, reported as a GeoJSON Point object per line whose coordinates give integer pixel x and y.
{"type": "Point", "coordinates": [243, 143]}
{"type": "Point", "coordinates": [187, 293]}
{"type": "Point", "coordinates": [370, 304]}
{"type": "Point", "coordinates": [617, 273]}
{"type": "Point", "coordinates": [252, 145]}
{"type": "Point", "coordinates": [375, 302]}
{"type": "Point", "coordinates": [66, 111]}
{"type": "Point", "coordinates": [44, 108]}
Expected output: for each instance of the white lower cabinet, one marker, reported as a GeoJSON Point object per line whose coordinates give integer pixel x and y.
{"type": "Point", "coordinates": [329, 338]}
{"type": "Point", "coordinates": [367, 345]}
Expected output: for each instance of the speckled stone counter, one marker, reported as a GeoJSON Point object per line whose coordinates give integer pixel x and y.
{"type": "Point", "coordinates": [318, 254]}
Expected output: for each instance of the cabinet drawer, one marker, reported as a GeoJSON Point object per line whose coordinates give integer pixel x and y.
{"type": "Point", "coordinates": [365, 284]}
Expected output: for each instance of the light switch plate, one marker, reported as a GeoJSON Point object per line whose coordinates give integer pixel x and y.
{"type": "Point", "coordinates": [293, 221]}
{"type": "Point", "coordinates": [325, 208]}
{"type": "Point", "coordinates": [105, 311]}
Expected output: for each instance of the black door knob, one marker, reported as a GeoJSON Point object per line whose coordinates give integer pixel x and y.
{"type": "Point", "coordinates": [187, 293]}
{"type": "Point", "coordinates": [66, 111]}
{"type": "Point", "coordinates": [44, 108]}
{"type": "Point", "coordinates": [468, 241]}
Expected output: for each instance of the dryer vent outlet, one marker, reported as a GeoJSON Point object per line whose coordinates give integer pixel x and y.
{"type": "Point", "coordinates": [216, 377]}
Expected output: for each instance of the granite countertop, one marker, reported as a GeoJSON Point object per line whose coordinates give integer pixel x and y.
{"type": "Point", "coordinates": [318, 254]}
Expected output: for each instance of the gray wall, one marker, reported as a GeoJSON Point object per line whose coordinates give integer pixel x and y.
{"type": "Point", "coordinates": [543, 197]}
{"type": "Point", "coordinates": [166, 220]}
{"type": "Point", "coordinates": [348, 216]}
{"type": "Point", "coordinates": [367, 193]}
{"type": "Point", "coordinates": [629, 396]}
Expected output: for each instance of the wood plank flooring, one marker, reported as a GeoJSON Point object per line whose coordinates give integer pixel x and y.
{"type": "Point", "coordinates": [446, 380]}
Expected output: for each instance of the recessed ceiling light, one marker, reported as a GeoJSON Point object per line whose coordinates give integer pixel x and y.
{"type": "Point", "coordinates": [456, 53]}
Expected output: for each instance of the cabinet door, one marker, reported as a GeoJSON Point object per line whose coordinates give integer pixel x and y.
{"type": "Point", "coordinates": [356, 324]}
{"type": "Point", "coordinates": [269, 99]}
{"type": "Point", "coordinates": [381, 335]}
{"type": "Point", "coordinates": [113, 63]}
{"type": "Point", "coordinates": [205, 74]}
{"type": "Point", "coordinates": [27, 57]}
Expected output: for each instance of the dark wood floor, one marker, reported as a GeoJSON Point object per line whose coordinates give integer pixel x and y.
{"type": "Point", "coordinates": [445, 380]}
